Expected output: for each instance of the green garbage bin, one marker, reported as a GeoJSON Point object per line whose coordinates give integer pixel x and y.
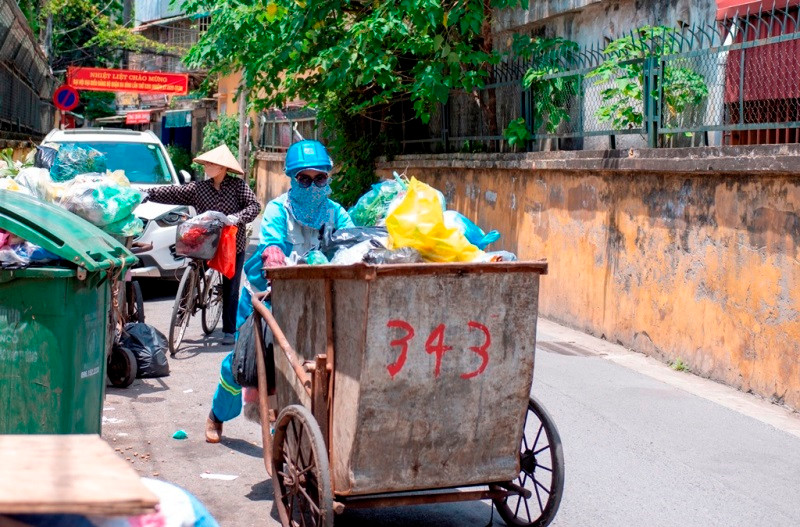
{"type": "Point", "coordinates": [54, 321]}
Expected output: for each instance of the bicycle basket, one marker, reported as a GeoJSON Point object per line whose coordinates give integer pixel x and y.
{"type": "Point", "coordinates": [199, 237]}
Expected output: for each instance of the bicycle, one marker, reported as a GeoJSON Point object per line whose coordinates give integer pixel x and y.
{"type": "Point", "coordinates": [200, 290]}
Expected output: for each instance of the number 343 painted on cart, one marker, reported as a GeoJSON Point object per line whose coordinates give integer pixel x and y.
{"type": "Point", "coordinates": [435, 346]}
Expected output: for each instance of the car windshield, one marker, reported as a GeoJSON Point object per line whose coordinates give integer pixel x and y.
{"type": "Point", "coordinates": [142, 163]}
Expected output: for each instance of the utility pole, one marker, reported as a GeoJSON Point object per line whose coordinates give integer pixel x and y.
{"type": "Point", "coordinates": [244, 129]}
{"type": "Point", "coordinates": [127, 21]}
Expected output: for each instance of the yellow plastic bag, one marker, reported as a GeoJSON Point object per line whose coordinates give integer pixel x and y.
{"type": "Point", "coordinates": [418, 222]}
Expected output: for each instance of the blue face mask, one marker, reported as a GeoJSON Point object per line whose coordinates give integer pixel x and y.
{"type": "Point", "coordinates": [309, 206]}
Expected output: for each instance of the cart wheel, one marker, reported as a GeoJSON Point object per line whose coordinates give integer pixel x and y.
{"type": "Point", "coordinates": [300, 472]}
{"type": "Point", "coordinates": [212, 301]}
{"type": "Point", "coordinates": [135, 301]}
{"type": "Point", "coordinates": [122, 367]}
{"type": "Point", "coordinates": [541, 472]}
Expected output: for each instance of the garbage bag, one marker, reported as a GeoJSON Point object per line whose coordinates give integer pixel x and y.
{"type": "Point", "coordinates": [373, 207]}
{"type": "Point", "coordinates": [149, 346]}
{"type": "Point", "coordinates": [332, 241]}
{"type": "Point", "coordinates": [130, 226]}
{"type": "Point", "coordinates": [498, 256]}
{"type": "Point", "coordinates": [73, 160]}
{"type": "Point", "coordinates": [100, 200]}
{"type": "Point", "coordinates": [45, 157]}
{"type": "Point", "coordinates": [243, 364]}
{"type": "Point", "coordinates": [418, 222]}
{"type": "Point", "coordinates": [354, 254]}
{"type": "Point", "coordinates": [315, 257]}
{"type": "Point", "coordinates": [224, 260]}
{"type": "Point", "coordinates": [398, 256]}
{"type": "Point", "coordinates": [198, 237]}
{"type": "Point", "coordinates": [474, 234]}
{"type": "Point", "coordinates": [37, 181]}
{"type": "Point", "coordinates": [7, 183]}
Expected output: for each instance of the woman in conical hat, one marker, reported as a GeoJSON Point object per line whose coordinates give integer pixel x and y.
{"type": "Point", "coordinates": [221, 193]}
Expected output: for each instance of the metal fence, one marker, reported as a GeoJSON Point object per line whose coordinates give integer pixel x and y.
{"type": "Point", "coordinates": [26, 84]}
{"type": "Point", "coordinates": [733, 82]}
{"type": "Point", "coordinates": [278, 129]}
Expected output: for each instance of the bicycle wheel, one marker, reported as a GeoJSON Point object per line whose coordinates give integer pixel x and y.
{"type": "Point", "coordinates": [212, 301]}
{"type": "Point", "coordinates": [541, 472]}
{"type": "Point", "coordinates": [134, 301]}
{"type": "Point", "coordinates": [183, 309]}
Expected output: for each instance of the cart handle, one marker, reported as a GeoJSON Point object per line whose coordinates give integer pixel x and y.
{"type": "Point", "coordinates": [280, 338]}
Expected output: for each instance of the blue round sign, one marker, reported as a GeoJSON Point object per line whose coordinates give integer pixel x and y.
{"type": "Point", "coordinates": [66, 98]}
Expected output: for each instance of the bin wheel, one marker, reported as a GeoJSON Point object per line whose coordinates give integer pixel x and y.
{"type": "Point", "coordinates": [300, 472]}
{"type": "Point", "coordinates": [135, 302]}
{"type": "Point", "coordinates": [121, 367]}
{"type": "Point", "coordinates": [541, 472]}
{"type": "Point", "coordinates": [212, 301]}
{"type": "Point", "coordinates": [183, 309]}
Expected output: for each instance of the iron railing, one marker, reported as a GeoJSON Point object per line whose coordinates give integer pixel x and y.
{"type": "Point", "coordinates": [735, 82]}
{"type": "Point", "coordinates": [278, 129]}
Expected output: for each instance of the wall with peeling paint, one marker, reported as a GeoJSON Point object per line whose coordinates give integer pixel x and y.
{"type": "Point", "coordinates": [689, 254]}
{"type": "Point", "coordinates": [697, 265]}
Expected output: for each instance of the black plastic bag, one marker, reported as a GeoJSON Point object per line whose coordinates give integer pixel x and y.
{"type": "Point", "coordinates": [45, 157]}
{"type": "Point", "coordinates": [150, 348]}
{"type": "Point", "coordinates": [331, 241]}
{"type": "Point", "coordinates": [244, 366]}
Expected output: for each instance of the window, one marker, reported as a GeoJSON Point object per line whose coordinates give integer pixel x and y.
{"type": "Point", "coordinates": [142, 163]}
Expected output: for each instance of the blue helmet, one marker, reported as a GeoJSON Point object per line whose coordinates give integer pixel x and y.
{"type": "Point", "coordinates": [307, 155]}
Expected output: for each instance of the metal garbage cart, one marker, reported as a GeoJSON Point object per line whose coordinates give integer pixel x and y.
{"type": "Point", "coordinates": [405, 384]}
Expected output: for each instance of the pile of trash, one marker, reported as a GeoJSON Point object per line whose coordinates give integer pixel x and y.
{"type": "Point", "coordinates": [73, 178]}
{"type": "Point", "coordinates": [16, 253]}
{"type": "Point", "coordinates": [400, 221]}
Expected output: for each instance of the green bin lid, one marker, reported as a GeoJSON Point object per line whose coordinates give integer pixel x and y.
{"type": "Point", "coordinates": [62, 233]}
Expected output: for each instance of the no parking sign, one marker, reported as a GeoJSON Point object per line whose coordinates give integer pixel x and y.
{"type": "Point", "coordinates": [66, 98]}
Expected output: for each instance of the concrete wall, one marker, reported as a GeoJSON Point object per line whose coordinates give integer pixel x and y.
{"type": "Point", "coordinates": [591, 22]}
{"type": "Point", "coordinates": [695, 256]}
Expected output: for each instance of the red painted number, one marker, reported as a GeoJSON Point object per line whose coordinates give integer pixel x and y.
{"type": "Point", "coordinates": [397, 365]}
{"type": "Point", "coordinates": [438, 348]}
{"type": "Point", "coordinates": [480, 350]}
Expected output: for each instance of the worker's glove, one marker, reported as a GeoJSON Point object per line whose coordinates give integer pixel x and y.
{"type": "Point", "coordinates": [273, 257]}
{"type": "Point", "coordinates": [234, 219]}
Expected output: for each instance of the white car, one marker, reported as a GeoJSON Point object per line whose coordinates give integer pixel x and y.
{"type": "Point", "coordinates": [146, 164]}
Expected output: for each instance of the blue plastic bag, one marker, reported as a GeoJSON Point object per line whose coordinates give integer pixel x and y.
{"type": "Point", "coordinates": [473, 233]}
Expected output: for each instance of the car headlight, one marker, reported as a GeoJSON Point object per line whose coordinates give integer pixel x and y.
{"type": "Point", "coordinates": [173, 217]}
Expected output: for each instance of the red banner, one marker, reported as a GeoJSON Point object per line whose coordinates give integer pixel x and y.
{"type": "Point", "coordinates": [101, 79]}
{"type": "Point", "coordinates": [137, 117]}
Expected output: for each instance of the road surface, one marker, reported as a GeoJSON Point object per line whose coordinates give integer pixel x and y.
{"type": "Point", "coordinates": [643, 444]}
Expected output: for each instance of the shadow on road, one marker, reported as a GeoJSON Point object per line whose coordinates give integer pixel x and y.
{"type": "Point", "coordinates": [243, 447]}
{"type": "Point", "coordinates": [261, 491]}
{"type": "Point", "coordinates": [142, 388]}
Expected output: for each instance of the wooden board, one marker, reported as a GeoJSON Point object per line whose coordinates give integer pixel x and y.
{"type": "Point", "coordinates": [69, 474]}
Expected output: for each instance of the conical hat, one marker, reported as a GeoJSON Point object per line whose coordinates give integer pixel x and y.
{"type": "Point", "coordinates": [221, 156]}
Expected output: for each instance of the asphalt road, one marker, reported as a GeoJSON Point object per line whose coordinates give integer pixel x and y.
{"type": "Point", "coordinates": [653, 448]}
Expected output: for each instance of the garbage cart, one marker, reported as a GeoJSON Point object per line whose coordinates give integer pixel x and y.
{"type": "Point", "coordinates": [405, 384]}
{"type": "Point", "coordinates": [54, 321]}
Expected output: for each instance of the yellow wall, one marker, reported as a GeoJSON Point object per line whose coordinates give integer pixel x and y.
{"type": "Point", "coordinates": [227, 92]}
{"type": "Point", "coordinates": [699, 267]}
